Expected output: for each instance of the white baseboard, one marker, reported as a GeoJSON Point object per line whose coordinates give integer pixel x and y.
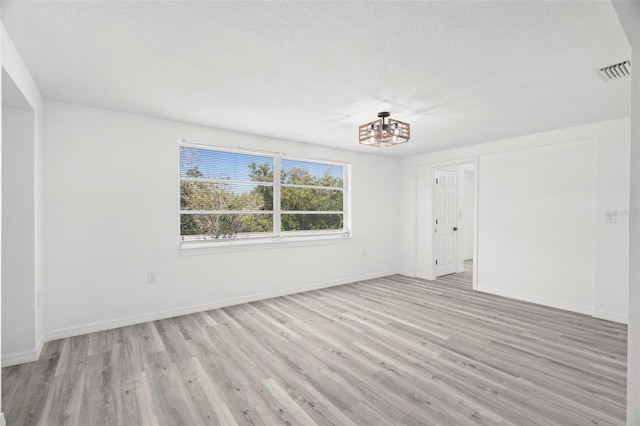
{"type": "Point", "coordinates": [2, 420]}
{"type": "Point", "coordinates": [40, 345]}
{"type": "Point", "coordinates": [610, 316]}
{"type": "Point", "coordinates": [587, 310]}
{"type": "Point", "coordinates": [93, 327]}
{"type": "Point", "coordinates": [22, 357]}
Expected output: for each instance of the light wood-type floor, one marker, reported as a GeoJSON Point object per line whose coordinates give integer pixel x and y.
{"type": "Point", "coordinates": [386, 351]}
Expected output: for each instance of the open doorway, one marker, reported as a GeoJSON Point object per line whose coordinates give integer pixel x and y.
{"type": "Point", "coordinates": [445, 222]}
{"type": "Point", "coordinates": [447, 227]}
{"type": "Point", "coordinates": [453, 216]}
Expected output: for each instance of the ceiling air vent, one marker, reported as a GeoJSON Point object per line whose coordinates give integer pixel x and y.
{"type": "Point", "coordinates": [616, 71]}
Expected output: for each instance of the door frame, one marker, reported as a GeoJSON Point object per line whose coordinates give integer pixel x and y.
{"type": "Point", "coordinates": [425, 182]}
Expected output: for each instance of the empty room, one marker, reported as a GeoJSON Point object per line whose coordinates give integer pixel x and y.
{"type": "Point", "coordinates": [320, 213]}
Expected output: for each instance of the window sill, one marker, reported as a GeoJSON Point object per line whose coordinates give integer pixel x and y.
{"type": "Point", "coordinates": [195, 248]}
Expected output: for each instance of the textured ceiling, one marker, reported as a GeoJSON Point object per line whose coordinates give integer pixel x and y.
{"type": "Point", "coordinates": [459, 72]}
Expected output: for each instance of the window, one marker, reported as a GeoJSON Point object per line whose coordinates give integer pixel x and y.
{"type": "Point", "coordinates": [311, 196]}
{"type": "Point", "coordinates": [231, 195]}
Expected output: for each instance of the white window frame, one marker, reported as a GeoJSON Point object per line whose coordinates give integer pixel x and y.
{"type": "Point", "coordinates": [277, 237]}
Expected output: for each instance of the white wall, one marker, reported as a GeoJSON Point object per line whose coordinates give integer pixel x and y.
{"type": "Point", "coordinates": [612, 248]}
{"type": "Point", "coordinates": [469, 206]}
{"type": "Point", "coordinates": [460, 214]}
{"type": "Point", "coordinates": [111, 195]}
{"type": "Point", "coordinates": [537, 217]}
{"type": "Point", "coordinates": [611, 263]}
{"type": "Point", "coordinates": [633, 351]}
{"type": "Point", "coordinates": [18, 238]}
{"type": "Point", "coordinates": [13, 65]}
{"type": "Point", "coordinates": [2, 419]}
{"type": "Point", "coordinates": [629, 16]}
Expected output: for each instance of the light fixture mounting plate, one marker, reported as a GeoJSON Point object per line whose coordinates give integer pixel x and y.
{"type": "Point", "coordinates": [384, 114]}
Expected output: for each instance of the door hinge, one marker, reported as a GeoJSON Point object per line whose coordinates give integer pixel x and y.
{"type": "Point", "coordinates": [436, 221]}
{"type": "Point", "coordinates": [436, 181]}
{"type": "Point", "coordinates": [436, 262]}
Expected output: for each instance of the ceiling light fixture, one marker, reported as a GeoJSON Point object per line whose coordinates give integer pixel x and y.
{"type": "Point", "coordinates": [379, 132]}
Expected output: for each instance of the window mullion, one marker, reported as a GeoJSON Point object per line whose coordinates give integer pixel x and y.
{"type": "Point", "coordinates": [225, 181]}
{"type": "Point", "coordinates": [276, 195]}
{"type": "Point", "coordinates": [346, 200]}
{"type": "Point", "coordinates": [312, 212]}
{"type": "Point", "coordinates": [327, 188]}
{"type": "Point", "coordinates": [219, 212]}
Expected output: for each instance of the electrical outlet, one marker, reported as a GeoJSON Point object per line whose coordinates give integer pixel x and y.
{"type": "Point", "coordinates": [151, 277]}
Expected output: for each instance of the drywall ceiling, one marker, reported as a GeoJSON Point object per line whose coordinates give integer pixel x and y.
{"type": "Point", "coordinates": [460, 72]}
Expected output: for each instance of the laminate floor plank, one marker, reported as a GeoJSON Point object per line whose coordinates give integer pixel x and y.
{"type": "Point", "coordinates": [36, 383]}
{"type": "Point", "coordinates": [390, 350]}
{"type": "Point", "coordinates": [169, 396]}
{"type": "Point", "coordinates": [464, 373]}
{"type": "Point", "coordinates": [331, 366]}
{"type": "Point", "coordinates": [207, 398]}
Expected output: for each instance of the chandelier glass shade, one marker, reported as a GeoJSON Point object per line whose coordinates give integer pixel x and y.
{"type": "Point", "coordinates": [384, 132]}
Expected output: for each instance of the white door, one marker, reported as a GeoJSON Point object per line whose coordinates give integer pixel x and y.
{"type": "Point", "coordinates": [445, 224]}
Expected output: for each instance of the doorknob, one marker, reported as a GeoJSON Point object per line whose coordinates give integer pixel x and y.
{"type": "Point", "coordinates": [455, 228]}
